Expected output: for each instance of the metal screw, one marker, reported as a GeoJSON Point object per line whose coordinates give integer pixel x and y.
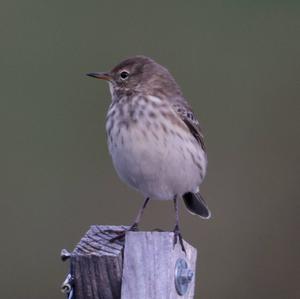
{"type": "Point", "coordinates": [183, 276]}
{"type": "Point", "coordinates": [67, 286]}
{"type": "Point", "coordinates": [65, 254]}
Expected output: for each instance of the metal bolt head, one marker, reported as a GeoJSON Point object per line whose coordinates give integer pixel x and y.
{"type": "Point", "coordinates": [183, 276]}
{"type": "Point", "coordinates": [190, 275]}
{"type": "Point", "coordinates": [65, 254]}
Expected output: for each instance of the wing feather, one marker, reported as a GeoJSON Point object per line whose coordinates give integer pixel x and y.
{"type": "Point", "coordinates": [187, 116]}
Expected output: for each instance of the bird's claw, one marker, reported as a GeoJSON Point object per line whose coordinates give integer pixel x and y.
{"type": "Point", "coordinates": [177, 235]}
{"type": "Point", "coordinates": [121, 234]}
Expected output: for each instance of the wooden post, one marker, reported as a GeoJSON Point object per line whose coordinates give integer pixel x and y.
{"type": "Point", "coordinates": [147, 267]}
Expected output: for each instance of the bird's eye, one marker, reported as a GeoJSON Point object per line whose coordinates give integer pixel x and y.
{"type": "Point", "coordinates": [124, 75]}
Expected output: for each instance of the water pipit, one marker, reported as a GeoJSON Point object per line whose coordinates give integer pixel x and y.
{"type": "Point", "coordinates": [154, 138]}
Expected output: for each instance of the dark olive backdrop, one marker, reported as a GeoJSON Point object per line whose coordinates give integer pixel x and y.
{"type": "Point", "coordinates": [237, 63]}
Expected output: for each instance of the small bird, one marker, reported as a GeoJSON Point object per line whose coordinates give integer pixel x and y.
{"type": "Point", "coordinates": [154, 138]}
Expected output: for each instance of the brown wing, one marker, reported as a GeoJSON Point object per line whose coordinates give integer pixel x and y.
{"type": "Point", "coordinates": [186, 114]}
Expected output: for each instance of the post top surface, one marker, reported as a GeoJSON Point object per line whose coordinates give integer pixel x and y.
{"type": "Point", "coordinates": [96, 241]}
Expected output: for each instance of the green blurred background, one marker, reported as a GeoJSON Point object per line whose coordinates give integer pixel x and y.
{"type": "Point", "coordinates": [238, 65]}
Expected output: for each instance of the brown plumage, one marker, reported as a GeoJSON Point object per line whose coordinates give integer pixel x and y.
{"type": "Point", "coordinates": [154, 138]}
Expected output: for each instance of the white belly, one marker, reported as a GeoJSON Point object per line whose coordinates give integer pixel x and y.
{"type": "Point", "coordinates": [157, 164]}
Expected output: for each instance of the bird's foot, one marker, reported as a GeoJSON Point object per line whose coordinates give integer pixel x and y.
{"type": "Point", "coordinates": [178, 236]}
{"type": "Point", "coordinates": [121, 234]}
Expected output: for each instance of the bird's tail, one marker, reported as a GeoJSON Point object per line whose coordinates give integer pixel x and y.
{"type": "Point", "coordinates": [196, 205]}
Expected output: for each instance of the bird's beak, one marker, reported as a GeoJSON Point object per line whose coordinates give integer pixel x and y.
{"type": "Point", "coordinates": [103, 76]}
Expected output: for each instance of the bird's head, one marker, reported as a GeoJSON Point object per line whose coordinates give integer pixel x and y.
{"type": "Point", "coordinates": [138, 74]}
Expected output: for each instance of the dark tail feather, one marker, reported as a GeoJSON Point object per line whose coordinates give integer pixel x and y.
{"type": "Point", "coordinates": [196, 205]}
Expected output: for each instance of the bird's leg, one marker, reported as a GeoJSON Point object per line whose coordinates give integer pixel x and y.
{"type": "Point", "coordinates": [135, 225]}
{"type": "Point", "coordinates": [177, 233]}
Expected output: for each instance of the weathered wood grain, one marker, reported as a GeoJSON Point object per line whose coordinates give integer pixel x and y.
{"type": "Point", "coordinates": [149, 266]}
{"type": "Point", "coordinates": [144, 269]}
{"type": "Point", "coordinates": [96, 264]}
